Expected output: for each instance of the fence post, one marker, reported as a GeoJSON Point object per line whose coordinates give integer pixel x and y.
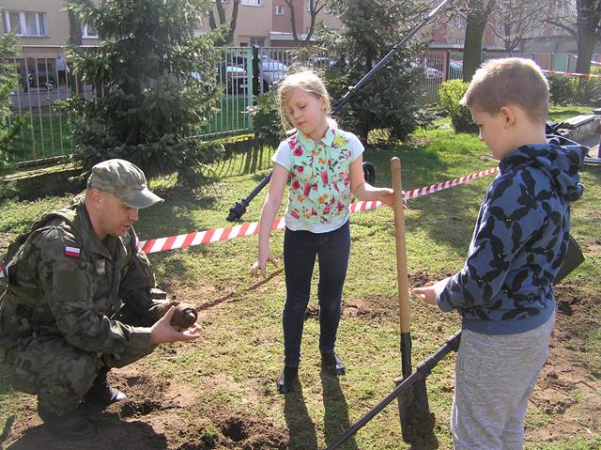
{"type": "Point", "coordinates": [255, 70]}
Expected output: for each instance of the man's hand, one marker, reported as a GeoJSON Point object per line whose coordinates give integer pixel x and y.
{"type": "Point", "coordinates": [162, 331]}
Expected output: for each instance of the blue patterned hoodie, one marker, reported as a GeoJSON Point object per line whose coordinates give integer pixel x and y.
{"type": "Point", "coordinates": [520, 239]}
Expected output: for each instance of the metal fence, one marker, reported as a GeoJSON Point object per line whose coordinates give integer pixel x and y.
{"type": "Point", "coordinates": [244, 73]}
{"type": "Point", "coordinates": [43, 84]}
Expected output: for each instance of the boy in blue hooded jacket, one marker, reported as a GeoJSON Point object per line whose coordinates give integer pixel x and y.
{"type": "Point", "coordinates": [504, 292]}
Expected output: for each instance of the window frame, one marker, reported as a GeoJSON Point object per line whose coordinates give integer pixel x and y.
{"type": "Point", "coordinates": [40, 19]}
{"type": "Point", "coordinates": [85, 34]}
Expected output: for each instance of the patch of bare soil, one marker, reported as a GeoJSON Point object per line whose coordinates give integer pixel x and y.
{"type": "Point", "coordinates": [227, 431]}
{"type": "Point", "coordinates": [568, 388]}
{"type": "Point", "coordinates": [151, 419]}
{"type": "Point", "coordinates": [379, 309]}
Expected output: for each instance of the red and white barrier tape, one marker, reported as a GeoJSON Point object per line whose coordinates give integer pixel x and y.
{"type": "Point", "coordinates": [571, 74]}
{"type": "Point", "coordinates": [247, 229]}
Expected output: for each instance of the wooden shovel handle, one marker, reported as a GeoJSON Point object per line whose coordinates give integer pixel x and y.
{"type": "Point", "coordinates": [401, 251]}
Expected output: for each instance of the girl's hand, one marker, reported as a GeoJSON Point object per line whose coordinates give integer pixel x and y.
{"type": "Point", "coordinates": [259, 268]}
{"type": "Point", "coordinates": [387, 196]}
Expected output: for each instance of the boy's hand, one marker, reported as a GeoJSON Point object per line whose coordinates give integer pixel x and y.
{"type": "Point", "coordinates": [427, 294]}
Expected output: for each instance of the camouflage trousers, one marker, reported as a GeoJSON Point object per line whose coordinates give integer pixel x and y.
{"type": "Point", "coordinates": [57, 372]}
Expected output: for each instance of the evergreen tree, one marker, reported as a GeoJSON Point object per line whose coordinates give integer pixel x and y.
{"type": "Point", "coordinates": [9, 81]}
{"type": "Point", "coordinates": [390, 99]}
{"type": "Point", "coordinates": [147, 106]}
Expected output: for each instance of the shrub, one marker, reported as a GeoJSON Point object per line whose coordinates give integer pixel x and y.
{"type": "Point", "coordinates": [561, 89]}
{"type": "Point", "coordinates": [586, 91]}
{"type": "Point", "coordinates": [450, 94]}
{"type": "Point", "coordinates": [9, 124]}
{"type": "Point", "coordinates": [266, 119]}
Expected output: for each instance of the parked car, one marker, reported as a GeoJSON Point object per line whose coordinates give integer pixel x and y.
{"type": "Point", "coordinates": [271, 73]}
{"type": "Point", "coordinates": [235, 78]}
{"type": "Point", "coordinates": [39, 79]}
{"type": "Point", "coordinates": [430, 73]}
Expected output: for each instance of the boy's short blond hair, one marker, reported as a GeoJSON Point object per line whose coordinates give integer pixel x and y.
{"type": "Point", "coordinates": [509, 81]}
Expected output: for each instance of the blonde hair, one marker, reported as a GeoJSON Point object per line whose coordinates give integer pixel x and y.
{"type": "Point", "coordinates": [308, 81]}
{"type": "Point", "coordinates": [509, 81]}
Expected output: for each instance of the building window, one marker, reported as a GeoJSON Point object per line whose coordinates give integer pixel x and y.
{"type": "Point", "coordinates": [25, 23]}
{"type": "Point", "coordinates": [251, 2]}
{"type": "Point", "coordinates": [258, 41]}
{"type": "Point", "coordinates": [88, 32]}
{"type": "Point", "coordinates": [280, 10]}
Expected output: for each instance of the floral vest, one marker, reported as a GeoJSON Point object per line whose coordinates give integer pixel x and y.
{"type": "Point", "coordinates": [320, 188]}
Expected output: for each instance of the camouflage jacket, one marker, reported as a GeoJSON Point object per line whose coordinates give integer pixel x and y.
{"type": "Point", "coordinates": [64, 281]}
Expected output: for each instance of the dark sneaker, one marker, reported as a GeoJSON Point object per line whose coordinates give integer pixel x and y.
{"type": "Point", "coordinates": [332, 363]}
{"type": "Point", "coordinates": [286, 379]}
{"type": "Point", "coordinates": [67, 426]}
{"type": "Point", "coordinates": [102, 393]}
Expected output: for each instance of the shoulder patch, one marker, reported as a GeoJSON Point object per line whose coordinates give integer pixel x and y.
{"type": "Point", "coordinates": [73, 252]}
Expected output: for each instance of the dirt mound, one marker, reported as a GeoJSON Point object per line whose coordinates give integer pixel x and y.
{"type": "Point", "coordinates": [234, 432]}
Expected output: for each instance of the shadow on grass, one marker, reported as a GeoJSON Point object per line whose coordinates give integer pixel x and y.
{"type": "Point", "coordinates": [110, 430]}
{"type": "Point", "coordinates": [336, 417]}
{"type": "Point", "coordinates": [173, 217]}
{"type": "Point", "coordinates": [257, 158]}
{"type": "Point", "coordinates": [301, 428]}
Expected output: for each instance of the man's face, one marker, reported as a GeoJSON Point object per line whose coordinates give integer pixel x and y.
{"type": "Point", "coordinates": [115, 217]}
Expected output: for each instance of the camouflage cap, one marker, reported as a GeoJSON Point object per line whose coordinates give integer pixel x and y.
{"type": "Point", "coordinates": [125, 181]}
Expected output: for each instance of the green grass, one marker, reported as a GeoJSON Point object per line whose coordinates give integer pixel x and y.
{"type": "Point", "coordinates": [43, 136]}
{"type": "Point", "coordinates": [559, 113]}
{"type": "Point", "coordinates": [232, 367]}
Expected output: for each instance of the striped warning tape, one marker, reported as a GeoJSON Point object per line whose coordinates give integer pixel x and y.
{"type": "Point", "coordinates": [571, 74]}
{"type": "Point", "coordinates": [195, 238]}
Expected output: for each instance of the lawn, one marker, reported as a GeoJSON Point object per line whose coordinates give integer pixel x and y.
{"type": "Point", "coordinates": [219, 391]}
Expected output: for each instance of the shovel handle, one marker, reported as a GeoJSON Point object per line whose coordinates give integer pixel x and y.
{"type": "Point", "coordinates": [401, 250]}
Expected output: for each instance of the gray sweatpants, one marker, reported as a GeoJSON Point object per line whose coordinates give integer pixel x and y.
{"type": "Point", "coordinates": [495, 376]}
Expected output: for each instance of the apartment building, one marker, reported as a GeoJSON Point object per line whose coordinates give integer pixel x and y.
{"type": "Point", "coordinates": [260, 22]}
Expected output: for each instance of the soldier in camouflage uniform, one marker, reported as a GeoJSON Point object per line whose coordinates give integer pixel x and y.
{"type": "Point", "coordinates": [80, 300]}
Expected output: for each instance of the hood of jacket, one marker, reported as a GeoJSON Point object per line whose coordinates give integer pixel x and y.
{"type": "Point", "coordinates": [560, 163]}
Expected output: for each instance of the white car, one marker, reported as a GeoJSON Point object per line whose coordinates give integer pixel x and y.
{"type": "Point", "coordinates": [271, 73]}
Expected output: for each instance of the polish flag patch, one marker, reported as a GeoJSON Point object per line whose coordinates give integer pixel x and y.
{"type": "Point", "coordinates": [73, 252]}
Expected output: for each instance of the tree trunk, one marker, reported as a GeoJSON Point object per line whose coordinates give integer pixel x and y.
{"type": "Point", "coordinates": [232, 30]}
{"type": "Point", "coordinates": [586, 40]}
{"type": "Point", "coordinates": [472, 52]}
{"type": "Point", "coordinates": [75, 38]}
{"type": "Point", "coordinates": [293, 20]}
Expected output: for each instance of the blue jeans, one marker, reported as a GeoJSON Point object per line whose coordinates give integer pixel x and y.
{"type": "Point", "coordinates": [300, 250]}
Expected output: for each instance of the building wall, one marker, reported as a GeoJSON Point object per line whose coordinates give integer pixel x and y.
{"type": "Point", "coordinates": [56, 21]}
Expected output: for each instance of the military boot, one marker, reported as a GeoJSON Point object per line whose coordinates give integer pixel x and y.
{"type": "Point", "coordinates": [66, 426]}
{"type": "Point", "coordinates": [332, 363]}
{"type": "Point", "coordinates": [101, 391]}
